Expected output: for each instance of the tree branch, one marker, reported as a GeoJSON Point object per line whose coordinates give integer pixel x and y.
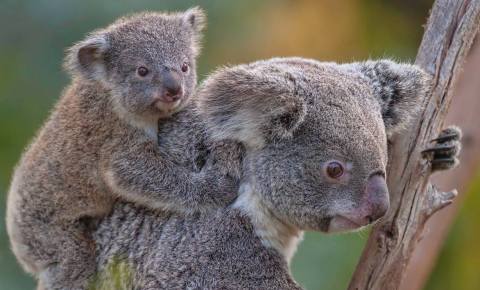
{"type": "Point", "coordinates": [462, 112]}
{"type": "Point", "coordinates": [435, 200]}
{"type": "Point", "coordinates": [451, 28]}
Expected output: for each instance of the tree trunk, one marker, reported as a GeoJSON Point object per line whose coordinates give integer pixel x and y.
{"type": "Point", "coordinates": [463, 112]}
{"type": "Point", "coordinates": [450, 30]}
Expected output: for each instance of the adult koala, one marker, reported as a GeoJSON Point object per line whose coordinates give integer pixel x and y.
{"type": "Point", "coordinates": [316, 152]}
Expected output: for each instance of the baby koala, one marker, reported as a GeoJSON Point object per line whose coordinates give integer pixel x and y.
{"type": "Point", "coordinates": [100, 144]}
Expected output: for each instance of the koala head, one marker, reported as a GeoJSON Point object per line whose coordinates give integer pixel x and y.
{"type": "Point", "coordinates": [146, 60]}
{"type": "Point", "coordinates": [315, 133]}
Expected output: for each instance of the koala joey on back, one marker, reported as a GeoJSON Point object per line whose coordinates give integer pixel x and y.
{"type": "Point", "coordinates": [315, 137]}
{"type": "Point", "coordinates": [100, 144]}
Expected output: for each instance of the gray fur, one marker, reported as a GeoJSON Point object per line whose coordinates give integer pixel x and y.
{"type": "Point", "coordinates": [293, 115]}
{"type": "Point", "coordinates": [217, 250]}
{"type": "Point", "coordinates": [397, 87]}
{"type": "Point", "coordinates": [100, 145]}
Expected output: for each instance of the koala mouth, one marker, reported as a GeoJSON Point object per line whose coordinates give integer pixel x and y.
{"type": "Point", "coordinates": [166, 109]}
{"type": "Point", "coordinates": [162, 105]}
{"type": "Point", "coordinates": [340, 223]}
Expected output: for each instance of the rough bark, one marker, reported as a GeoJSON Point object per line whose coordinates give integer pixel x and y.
{"type": "Point", "coordinates": [450, 30]}
{"type": "Point", "coordinates": [464, 113]}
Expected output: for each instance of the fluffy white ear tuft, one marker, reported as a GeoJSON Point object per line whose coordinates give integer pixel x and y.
{"type": "Point", "coordinates": [87, 58]}
{"type": "Point", "coordinates": [251, 106]}
{"type": "Point", "coordinates": [196, 18]}
{"type": "Point", "coordinates": [399, 88]}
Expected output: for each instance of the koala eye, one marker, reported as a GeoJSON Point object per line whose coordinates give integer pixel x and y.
{"type": "Point", "coordinates": [185, 67]}
{"type": "Point", "coordinates": [334, 169]}
{"type": "Point", "coordinates": [142, 71]}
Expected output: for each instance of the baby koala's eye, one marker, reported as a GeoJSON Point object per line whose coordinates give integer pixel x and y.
{"type": "Point", "coordinates": [185, 67]}
{"type": "Point", "coordinates": [334, 169]}
{"type": "Point", "coordinates": [142, 71]}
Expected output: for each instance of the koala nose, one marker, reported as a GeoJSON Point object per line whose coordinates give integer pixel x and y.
{"type": "Point", "coordinates": [373, 205]}
{"type": "Point", "coordinates": [172, 87]}
{"type": "Point", "coordinates": [377, 197]}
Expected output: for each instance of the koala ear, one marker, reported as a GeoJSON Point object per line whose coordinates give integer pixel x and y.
{"type": "Point", "coordinates": [195, 17]}
{"type": "Point", "coordinates": [250, 106]}
{"type": "Point", "coordinates": [399, 89]}
{"type": "Point", "coordinates": [87, 58]}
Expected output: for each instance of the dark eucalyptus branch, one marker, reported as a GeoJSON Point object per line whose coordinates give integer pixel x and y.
{"type": "Point", "coordinates": [450, 31]}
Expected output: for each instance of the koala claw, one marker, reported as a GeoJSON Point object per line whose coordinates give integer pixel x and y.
{"type": "Point", "coordinates": [447, 137]}
{"type": "Point", "coordinates": [442, 148]}
{"type": "Point", "coordinates": [444, 154]}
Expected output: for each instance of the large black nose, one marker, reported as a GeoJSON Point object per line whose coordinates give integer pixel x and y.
{"type": "Point", "coordinates": [377, 197]}
{"type": "Point", "coordinates": [172, 86]}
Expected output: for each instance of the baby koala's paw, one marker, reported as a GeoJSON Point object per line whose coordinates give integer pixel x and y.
{"type": "Point", "coordinates": [443, 155]}
{"type": "Point", "coordinates": [226, 157]}
{"type": "Point", "coordinates": [222, 171]}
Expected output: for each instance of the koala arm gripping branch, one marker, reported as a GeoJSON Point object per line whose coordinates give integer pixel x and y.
{"type": "Point", "coordinates": [142, 174]}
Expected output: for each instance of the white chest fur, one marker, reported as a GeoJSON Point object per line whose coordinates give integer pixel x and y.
{"type": "Point", "coordinates": [273, 232]}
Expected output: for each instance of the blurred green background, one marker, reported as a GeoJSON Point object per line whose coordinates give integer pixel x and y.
{"type": "Point", "coordinates": [34, 34]}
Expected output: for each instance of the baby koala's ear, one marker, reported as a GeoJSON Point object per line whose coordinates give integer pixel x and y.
{"type": "Point", "coordinates": [250, 106]}
{"type": "Point", "coordinates": [399, 89]}
{"type": "Point", "coordinates": [196, 18]}
{"type": "Point", "coordinates": [87, 58]}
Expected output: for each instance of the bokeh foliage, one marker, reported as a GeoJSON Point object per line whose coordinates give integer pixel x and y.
{"type": "Point", "coordinates": [34, 34]}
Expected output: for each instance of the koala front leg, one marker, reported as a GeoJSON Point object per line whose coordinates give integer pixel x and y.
{"type": "Point", "coordinates": [226, 157]}
{"type": "Point", "coordinates": [443, 155]}
{"type": "Point", "coordinates": [143, 174]}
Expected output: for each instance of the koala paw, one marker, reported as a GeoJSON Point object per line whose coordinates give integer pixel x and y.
{"type": "Point", "coordinates": [226, 157]}
{"type": "Point", "coordinates": [443, 155]}
{"type": "Point", "coordinates": [222, 172]}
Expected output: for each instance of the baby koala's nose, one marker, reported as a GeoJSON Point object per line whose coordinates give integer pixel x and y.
{"type": "Point", "coordinates": [172, 87]}
{"type": "Point", "coordinates": [172, 93]}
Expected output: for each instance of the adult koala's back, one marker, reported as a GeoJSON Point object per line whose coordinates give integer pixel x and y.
{"type": "Point", "coordinates": [316, 138]}
{"type": "Point", "coordinates": [161, 250]}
